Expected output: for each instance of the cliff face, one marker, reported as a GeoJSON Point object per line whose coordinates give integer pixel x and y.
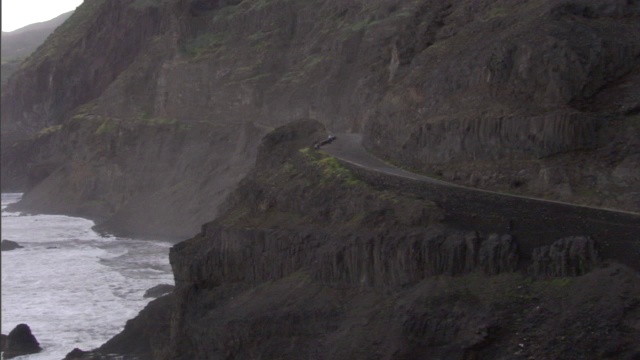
{"type": "Point", "coordinates": [537, 97]}
{"type": "Point", "coordinates": [529, 109]}
{"type": "Point", "coordinates": [131, 176]}
{"type": "Point", "coordinates": [287, 271]}
{"type": "Point", "coordinates": [18, 44]}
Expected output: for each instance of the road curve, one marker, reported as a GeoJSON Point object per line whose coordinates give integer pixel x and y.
{"type": "Point", "coordinates": [348, 147]}
{"type": "Point", "coordinates": [534, 222]}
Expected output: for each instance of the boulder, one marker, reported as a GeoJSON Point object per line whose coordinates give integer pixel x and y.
{"type": "Point", "coordinates": [10, 245]}
{"type": "Point", "coordinates": [158, 290]}
{"type": "Point", "coordinates": [20, 341]}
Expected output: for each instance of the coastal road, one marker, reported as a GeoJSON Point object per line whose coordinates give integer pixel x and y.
{"type": "Point", "coordinates": [534, 222]}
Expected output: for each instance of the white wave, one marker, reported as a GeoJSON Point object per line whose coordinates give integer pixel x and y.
{"type": "Point", "coordinates": [73, 287]}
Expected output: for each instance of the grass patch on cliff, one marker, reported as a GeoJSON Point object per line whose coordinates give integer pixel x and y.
{"type": "Point", "coordinates": [303, 69]}
{"type": "Point", "coordinates": [160, 121]}
{"type": "Point", "coordinates": [330, 168]}
{"type": "Point", "coordinates": [142, 4]}
{"type": "Point", "coordinates": [634, 121]}
{"type": "Point", "coordinates": [49, 130]}
{"type": "Point", "coordinates": [204, 43]}
{"type": "Point", "coordinates": [107, 126]}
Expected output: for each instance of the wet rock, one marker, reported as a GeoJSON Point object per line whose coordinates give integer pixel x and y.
{"type": "Point", "coordinates": [572, 256]}
{"type": "Point", "coordinates": [159, 290]}
{"type": "Point", "coordinates": [10, 245]}
{"type": "Point", "coordinates": [78, 354]}
{"type": "Point", "coordinates": [20, 341]}
{"type": "Point", "coordinates": [144, 337]}
{"type": "Point", "coordinates": [75, 354]}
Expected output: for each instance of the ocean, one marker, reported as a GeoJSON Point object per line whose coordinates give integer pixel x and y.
{"type": "Point", "coordinates": [72, 286]}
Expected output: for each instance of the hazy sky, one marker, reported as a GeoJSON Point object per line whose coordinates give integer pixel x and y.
{"type": "Point", "coordinates": [19, 13]}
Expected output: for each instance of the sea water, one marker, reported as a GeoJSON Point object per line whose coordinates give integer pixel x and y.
{"type": "Point", "coordinates": [72, 286]}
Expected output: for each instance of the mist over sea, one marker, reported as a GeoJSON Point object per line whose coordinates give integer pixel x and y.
{"type": "Point", "coordinates": [73, 287]}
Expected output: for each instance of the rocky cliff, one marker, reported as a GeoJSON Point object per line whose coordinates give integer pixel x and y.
{"type": "Point", "coordinates": [537, 97]}
{"type": "Point", "coordinates": [309, 260]}
{"type": "Point", "coordinates": [18, 44]}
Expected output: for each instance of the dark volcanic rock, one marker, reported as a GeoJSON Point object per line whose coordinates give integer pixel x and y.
{"type": "Point", "coordinates": [279, 145]}
{"type": "Point", "coordinates": [77, 354]}
{"type": "Point", "coordinates": [159, 290]}
{"type": "Point", "coordinates": [310, 261]}
{"type": "Point", "coordinates": [463, 87]}
{"type": "Point", "coordinates": [144, 337]}
{"type": "Point", "coordinates": [571, 256]}
{"type": "Point", "coordinates": [10, 245]}
{"type": "Point", "coordinates": [20, 341]}
{"type": "Point", "coordinates": [147, 335]}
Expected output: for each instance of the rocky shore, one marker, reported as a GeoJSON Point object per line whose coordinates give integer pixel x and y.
{"type": "Point", "coordinates": [20, 341]}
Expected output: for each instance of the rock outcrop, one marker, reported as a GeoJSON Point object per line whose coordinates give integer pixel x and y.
{"type": "Point", "coordinates": [158, 290]}
{"type": "Point", "coordinates": [571, 256]}
{"type": "Point", "coordinates": [20, 341]}
{"type": "Point", "coordinates": [287, 264]}
{"type": "Point", "coordinates": [495, 111]}
{"type": "Point", "coordinates": [309, 260]}
{"type": "Point", "coordinates": [491, 94]}
{"type": "Point", "coordinates": [8, 245]}
{"type": "Point", "coordinates": [145, 337]}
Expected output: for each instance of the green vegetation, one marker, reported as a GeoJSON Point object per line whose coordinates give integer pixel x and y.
{"type": "Point", "coordinates": [634, 121]}
{"type": "Point", "coordinates": [257, 36]}
{"type": "Point", "coordinates": [297, 74]}
{"type": "Point", "coordinates": [49, 130]}
{"type": "Point", "coordinates": [208, 42]}
{"type": "Point", "coordinates": [141, 4]}
{"type": "Point", "coordinates": [498, 11]}
{"type": "Point", "coordinates": [227, 12]}
{"type": "Point", "coordinates": [258, 77]}
{"type": "Point", "coordinates": [107, 126]}
{"type": "Point", "coordinates": [160, 121]}
{"type": "Point", "coordinates": [260, 4]}
{"type": "Point", "coordinates": [312, 61]}
{"type": "Point", "coordinates": [331, 168]}
{"type": "Point", "coordinates": [289, 169]}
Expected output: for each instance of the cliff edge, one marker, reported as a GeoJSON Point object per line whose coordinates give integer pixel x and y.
{"type": "Point", "coordinates": [309, 260]}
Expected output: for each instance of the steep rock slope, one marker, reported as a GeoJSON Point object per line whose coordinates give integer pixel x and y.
{"type": "Point", "coordinates": [508, 95]}
{"type": "Point", "coordinates": [529, 108]}
{"type": "Point", "coordinates": [18, 44]}
{"type": "Point", "coordinates": [149, 178]}
{"type": "Point", "coordinates": [308, 260]}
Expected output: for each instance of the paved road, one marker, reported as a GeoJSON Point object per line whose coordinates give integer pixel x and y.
{"type": "Point", "coordinates": [534, 222]}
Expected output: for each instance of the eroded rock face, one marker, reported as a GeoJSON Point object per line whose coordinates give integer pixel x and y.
{"type": "Point", "coordinates": [154, 180]}
{"type": "Point", "coordinates": [571, 256]}
{"type": "Point", "coordinates": [20, 341]}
